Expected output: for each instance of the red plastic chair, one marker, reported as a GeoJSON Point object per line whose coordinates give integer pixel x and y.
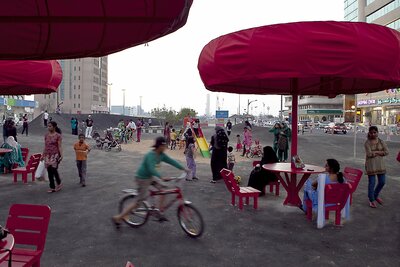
{"type": "Point", "coordinates": [271, 184]}
{"type": "Point", "coordinates": [25, 152]}
{"type": "Point", "coordinates": [335, 199]}
{"type": "Point", "coordinates": [28, 224]}
{"type": "Point", "coordinates": [353, 177]}
{"type": "Point", "coordinates": [30, 168]}
{"type": "Point", "coordinates": [241, 192]}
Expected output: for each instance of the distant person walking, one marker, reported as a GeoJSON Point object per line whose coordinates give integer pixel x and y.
{"type": "Point", "coordinates": [276, 131]}
{"type": "Point", "coordinates": [52, 155]}
{"type": "Point", "coordinates": [167, 133]}
{"type": "Point", "coordinates": [139, 126]}
{"type": "Point", "coordinates": [229, 127]}
{"type": "Point", "coordinates": [11, 130]}
{"type": "Point", "coordinates": [283, 142]}
{"type": "Point", "coordinates": [74, 125]}
{"type": "Point", "coordinates": [81, 151]}
{"type": "Point", "coordinates": [45, 118]}
{"type": "Point", "coordinates": [25, 124]}
{"type": "Point", "coordinates": [231, 158]}
{"type": "Point", "coordinates": [218, 145]}
{"type": "Point", "coordinates": [247, 140]}
{"type": "Point", "coordinates": [89, 127]}
{"type": "Point", "coordinates": [190, 155]}
{"type": "Point", "coordinates": [375, 151]}
{"type": "Point", "coordinates": [149, 122]}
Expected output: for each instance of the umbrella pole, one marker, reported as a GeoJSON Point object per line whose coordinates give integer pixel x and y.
{"type": "Point", "coordinates": [295, 102]}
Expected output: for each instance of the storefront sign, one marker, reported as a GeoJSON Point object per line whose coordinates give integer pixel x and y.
{"type": "Point", "coordinates": [366, 102]}
{"type": "Point", "coordinates": [390, 100]}
{"type": "Point", "coordinates": [324, 111]}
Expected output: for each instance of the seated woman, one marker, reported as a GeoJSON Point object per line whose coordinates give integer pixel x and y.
{"type": "Point", "coordinates": [332, 175]}
{"type": "Point", "coordinates": [260, 177]}
{"type": "Point", "coordinates": [13, 157]}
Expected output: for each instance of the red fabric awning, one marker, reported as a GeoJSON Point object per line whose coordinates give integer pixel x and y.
{"type": "Point", "coordinates": [25, 77]}
{"type": "Point", "coordinates": [321, 58]}
{"type": "Point", "coordinates": [59, 29]}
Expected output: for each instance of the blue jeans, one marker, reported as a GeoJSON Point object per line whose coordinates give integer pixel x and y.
{"type": "Point", "coordinates": [373, 192]}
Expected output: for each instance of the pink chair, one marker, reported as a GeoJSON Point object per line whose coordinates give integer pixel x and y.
{"type": "Point", "coordinates": [30, 168]}
{"type": "Point", "coordinates": [335, 199]}
{"type": "Point", "coordinates": [353, 177]}
{"type": "Point", "coordinates": [28, 224]}
{"type": "Point", "coordinates": [241, 192]}
{"type": "Point", "coordinates": [271, 184]}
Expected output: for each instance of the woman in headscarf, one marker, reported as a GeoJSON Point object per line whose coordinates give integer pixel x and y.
{"type": "Point", "coordinates": [260, 177]}
{"type": "Point", "coordinates": [218, 145]}
{"type": "Point", "coordinates": [13, 157]}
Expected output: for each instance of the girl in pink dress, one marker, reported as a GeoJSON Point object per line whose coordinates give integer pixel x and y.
{"type": "Point", "coordinates": [247, 140]}
{"type": "Point", "coordinates": [52, 155]}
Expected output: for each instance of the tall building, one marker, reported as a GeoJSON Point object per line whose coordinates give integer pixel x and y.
{"type": "Point", "coordinates": [82, 90]}
{"type": "Point", "coordinates": [316, 108]}
{"type": "Point", "coordinates": [383, 107]}
{"type": "Point", "coordinates": [208, 113]}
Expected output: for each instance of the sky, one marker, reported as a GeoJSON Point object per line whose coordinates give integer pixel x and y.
{"type": "Point", "coordinates": [165, 72]}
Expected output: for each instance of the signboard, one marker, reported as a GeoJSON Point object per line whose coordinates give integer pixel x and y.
{"type": "Point", "coordinates": [221, 114]}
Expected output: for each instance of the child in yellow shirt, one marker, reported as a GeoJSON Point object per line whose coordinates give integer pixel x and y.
{"type": "Point", "coordinates": [81, 151]}
{"type": "Point", "coordinates": [173, 135]}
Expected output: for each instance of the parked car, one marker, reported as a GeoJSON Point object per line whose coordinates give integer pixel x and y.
{"type": "Point", "coordinates": [335, 128]}
{"type": "Point", "coordinates": [322, 124]}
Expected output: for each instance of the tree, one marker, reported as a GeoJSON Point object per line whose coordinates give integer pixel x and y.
{"type": "Point", "coordinates": [164, 115]}
{"type": "Point", "coordinates": [183, 113]}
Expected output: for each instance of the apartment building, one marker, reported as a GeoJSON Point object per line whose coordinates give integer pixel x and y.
{"type": "Point", "coordinates": [380, 108]}
{"type": "Point", "coordinates": [83, 88]}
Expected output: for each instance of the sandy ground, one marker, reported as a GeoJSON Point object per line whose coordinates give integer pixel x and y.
{"type": "Point", "coordinates": [145, 145]}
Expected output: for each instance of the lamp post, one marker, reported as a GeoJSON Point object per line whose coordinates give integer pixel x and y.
{"type": "Point", "coordinates": [109, 97]}
{"type": "Point", "coordinates": [248, 104]}
{"type": "Point", "coordinates": [123, 101]}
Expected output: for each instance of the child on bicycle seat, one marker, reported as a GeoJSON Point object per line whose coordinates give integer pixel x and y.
{"type": "Point", "coordinates": [147, 175]}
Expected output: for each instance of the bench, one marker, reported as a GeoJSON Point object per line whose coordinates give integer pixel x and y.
{"type": "Point", "coordinates": [241, 192]}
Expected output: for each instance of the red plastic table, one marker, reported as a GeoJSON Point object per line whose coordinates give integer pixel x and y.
{"type": "Point", "coordinates": [290, 183]}
{"type": "Point", "coordinates": [6, 243]}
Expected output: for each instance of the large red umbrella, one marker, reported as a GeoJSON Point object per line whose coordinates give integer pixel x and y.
{"type": "Point", "coordinates": [303, 58]}
{"type": "Point", "coordinates": [25, 77]}
{"type": "Point", "coordinates": [59, 29]}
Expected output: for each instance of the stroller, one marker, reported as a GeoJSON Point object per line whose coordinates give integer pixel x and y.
{"type": "Point", "coordinates": [100, 141]}
{"type": "Point", "coordinates": [111, 141]}
{"type": "Point", "coordinates": [256, 150]}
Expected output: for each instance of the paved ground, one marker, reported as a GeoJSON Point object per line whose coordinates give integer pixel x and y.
{"type": "Point", "coordinates": [80, 232]}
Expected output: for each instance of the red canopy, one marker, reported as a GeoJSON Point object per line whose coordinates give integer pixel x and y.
{"type": "Point", "coordinates": [25, 77]}
{"type": "Point", "coordinates": [326, 58]}
{"type": "Point", "coordinates": [303, 58]}
{"type": "Point", "coordinates": [59, 29]}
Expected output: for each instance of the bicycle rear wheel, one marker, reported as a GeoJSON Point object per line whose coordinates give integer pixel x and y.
{"type": "Point", "coordinates": [136, 217]}
{"type": "Point", "coordinates": [190, 220]}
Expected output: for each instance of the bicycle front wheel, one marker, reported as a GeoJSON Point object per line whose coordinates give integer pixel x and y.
{"type": "Point", "coordinates": [190, 220]}
{"type": "Point", "coordinates": [136, 217]}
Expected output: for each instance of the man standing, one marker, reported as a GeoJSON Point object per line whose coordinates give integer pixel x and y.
{"type": "Point", "coordinates": [89, 127]}
{"type": "Point", "coordinates": [139, 126]}
{"type": "Point", "coordinates": [149, 121]}
{"type": "Point", "coordinates": [229, 127]}
{"type": "Point", "coordinates": [45, 118]}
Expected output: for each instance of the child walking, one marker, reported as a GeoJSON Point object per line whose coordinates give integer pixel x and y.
{"type": "Point", "coordinates": [190, 155]}
{"type": "Point", "coordinates": [231, 158]}
{"type": "Point", "coordinates": [173, 137]}
{"type": "Point", "coordinates": [81, 151]}
{"type": "Point", "coordinates": [238, 143]}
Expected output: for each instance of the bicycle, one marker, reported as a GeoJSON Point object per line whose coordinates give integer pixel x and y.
{"type": "Point", "coordinates": [189, 217]}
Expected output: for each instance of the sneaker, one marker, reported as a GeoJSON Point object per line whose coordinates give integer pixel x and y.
{"type": "Point", "coordinates": [188, 179]}
{"type": "Point", "coordinates": [83, 185]}
{"type": "Point", "coordinates": [58, 187]}
{"type": "Point", "coordinates": [51, 190]}
{"type": "Point", "coordinates": [195, 178]}
{"type": "Point", "coordinates": [213, 181]}
{"type": "Point", "coordinates": [372, 204]}
{"type": "Point", "coordinates": [379, 200]}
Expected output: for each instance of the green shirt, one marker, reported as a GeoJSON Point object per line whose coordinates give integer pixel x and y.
{"type": "Point", "coordinates": [148, 167]}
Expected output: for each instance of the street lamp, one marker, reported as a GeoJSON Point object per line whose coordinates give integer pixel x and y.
{"type": "Point", "coordinates": [123, 101]}
{"type": "Point", "coordinates": [248, 104]}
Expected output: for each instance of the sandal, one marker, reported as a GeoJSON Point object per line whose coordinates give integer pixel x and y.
{"type": "Point", "coordinates": [213, 182]}
{"type": "Point", "coordinates": [372, 205]}
{"type": "Point", "coordinates": [379, 200]}
{"type": "Point", "coordinates": [51, 190]}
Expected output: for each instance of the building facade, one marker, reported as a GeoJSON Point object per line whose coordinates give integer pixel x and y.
{"type": "Point", "coordinates": [380, 108]}
{"type": "Point", "coordinates": [82, 90]}
{"type": "Point", "coordinates": [316, 108]}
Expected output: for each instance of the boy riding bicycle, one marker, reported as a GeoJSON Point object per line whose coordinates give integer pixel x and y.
{"type": "Point", "coordinates": [147, 175]}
